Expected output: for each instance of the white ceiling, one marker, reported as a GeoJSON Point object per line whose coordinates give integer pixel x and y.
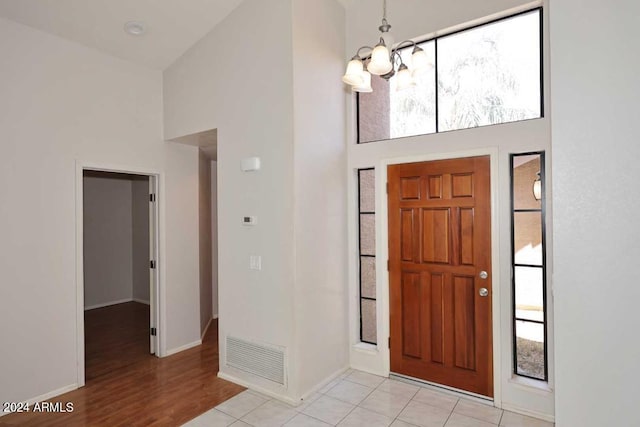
{"type": "Point", "coordinates": [173, 26]}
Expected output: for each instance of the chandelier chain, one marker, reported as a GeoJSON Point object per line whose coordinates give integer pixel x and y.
{"type": "Point", "coordinates": [384, 9]}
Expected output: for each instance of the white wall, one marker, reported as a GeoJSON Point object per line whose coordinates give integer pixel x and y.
{"type": "Point", "coordinates": [116, 239]}
{"type": "Point", "coordinates": [321, 333]}
{"type": "Point", "coordinates": [108, 240]}
{"type": "Point", "coordinates": [179, 253]}
{"type": "Point", "coordinates": [414, 19]}
{"type": "Point", "coordinates": [140, 237]}
{"type": "Point", "coordinates": [214, 239]}
{"type": "Point", "coordinates": [62, 103]}
{"type": "Point", "coordinates": [204, 236]}
{"type": "Point", "coordinates": [250, 100]}
{"type": "Point", "coordinates": [218, 85]}
{"type": "Point", "coordinates": [595, 91]}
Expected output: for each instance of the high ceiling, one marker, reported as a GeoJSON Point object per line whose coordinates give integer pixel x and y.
{"type": "Point", "coordinates": [173, 26]}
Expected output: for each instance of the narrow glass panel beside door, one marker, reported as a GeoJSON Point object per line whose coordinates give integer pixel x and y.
{"type": "Point", "coordinates": [528, 266]}
{"type": "Point", "coordinates": [367, 249]}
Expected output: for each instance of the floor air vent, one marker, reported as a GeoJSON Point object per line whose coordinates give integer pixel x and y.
{"type": "Point", "coordinates": [258, 359]}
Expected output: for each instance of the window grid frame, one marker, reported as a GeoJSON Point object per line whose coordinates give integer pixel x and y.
{"type": "Point", "coordinates": [435, 39]}
{"type": "Point", "coordinates": [543, 266]}
{"type": "Point", "coordinates": [361, 255]}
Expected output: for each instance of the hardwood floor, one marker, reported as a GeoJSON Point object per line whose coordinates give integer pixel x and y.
{"type": "Point", "coordinates": [116, 337]}
{"type": "Point", "coordinates": [126, 386]}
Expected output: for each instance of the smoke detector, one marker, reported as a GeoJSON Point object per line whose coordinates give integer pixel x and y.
{"type": "Point", "coordinates": [135, 28]}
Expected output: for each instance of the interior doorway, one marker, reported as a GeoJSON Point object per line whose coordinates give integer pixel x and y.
{"type": "Point", "coordinates": [118, 276]}
{"type": "Point", "coordinates": [440, 272]}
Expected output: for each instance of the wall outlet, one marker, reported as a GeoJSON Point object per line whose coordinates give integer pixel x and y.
{"type": "Point", "coordinates": [255, 262]}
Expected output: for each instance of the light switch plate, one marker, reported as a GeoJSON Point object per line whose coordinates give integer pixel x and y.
{"type": "Point", "coordinates": [250, 164]}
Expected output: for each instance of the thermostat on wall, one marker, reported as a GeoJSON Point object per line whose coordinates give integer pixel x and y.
{"type": "Point", "coordinates": [250, 164]}
{"type": "Point", "coordinates": [249, 220]}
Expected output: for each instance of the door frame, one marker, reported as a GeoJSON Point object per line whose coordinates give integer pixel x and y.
{"type": "Point", "coordinates": [156, 295]}
{"type": "Point", "coordinates": [382, 248]}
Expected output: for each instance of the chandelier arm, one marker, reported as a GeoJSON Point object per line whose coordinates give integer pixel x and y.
{"type": "Point", "coordinates": [398, 46]}
{"type": "Point", "coordinates": [363, 47]}
{"type": "Point", "coordinates": [395, 57]}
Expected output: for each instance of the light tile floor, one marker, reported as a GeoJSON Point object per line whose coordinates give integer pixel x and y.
{"type": "Point", "coordinates": [360, 399]}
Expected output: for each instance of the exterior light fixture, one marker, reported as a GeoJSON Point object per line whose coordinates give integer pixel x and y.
{"type": "Point", "coordinates": [537, 187]}
{"type": "Point", "coordinates": [385, 61]}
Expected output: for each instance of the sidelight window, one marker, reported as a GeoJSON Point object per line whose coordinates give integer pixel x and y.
{"type": "Point", "coordinates": [367, 252]}
{"type": "Point", "coordinates": [529, 265]}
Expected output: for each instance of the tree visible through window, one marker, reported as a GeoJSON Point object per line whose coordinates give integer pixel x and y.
{"type": "Point", "coordinates": [486, 75]}
{"type": "Point", "coordinates": [490, 74]}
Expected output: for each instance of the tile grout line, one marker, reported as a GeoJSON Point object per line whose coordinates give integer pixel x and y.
{"type": "Point", "coordinates": [311, 416]}
{"type": "Point", "coordinates": [475, 417]}
{"type": "Point", "coordinates": [339, 400]}
{"type": "Point", "coordinates": [240, 419]}
{"type": "Point", "coordinates": [451, 413]}
{"type": "Point", "coordinates": [354, 406]}
{"type": "Point", "coordinates": [403, 408]}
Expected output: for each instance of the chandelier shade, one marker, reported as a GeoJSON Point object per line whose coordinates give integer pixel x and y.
{"type": "Point", "coordinates": [380, 60]}
{"type": "Point", "coordinates": [354, 75]}
{"type": "Point", "coordinates": [365, 87]}
{"type": "Point", "coordinates": [404, 78]}
{"type": "Point", "coordinates": [419, 59]}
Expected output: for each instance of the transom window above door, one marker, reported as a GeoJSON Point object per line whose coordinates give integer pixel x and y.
{"type": "Point", "coordinates": [484, 75]}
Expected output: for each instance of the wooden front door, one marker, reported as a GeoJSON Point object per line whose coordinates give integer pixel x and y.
{"type": "Point", "coordinates": [439, 252]}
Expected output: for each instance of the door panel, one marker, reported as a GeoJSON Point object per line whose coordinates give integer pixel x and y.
{"type": "Point", "coordinates": [408, 234]}
{"type": "Point", "coordinates": [464, 322]}
{"type": "Point", "coordinates": [436, 317]}
{"type": "Point", "coordinates": [439, 241]}
{"type": "Point", "coordinates": [435, 235]}
{"type": "Point", "coordinates": [411, 314]}
{"type": "Point", "coordinates": [466, 236]}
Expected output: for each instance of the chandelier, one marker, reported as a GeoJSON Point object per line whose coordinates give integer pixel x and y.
{"type": "Point", "coordinates": [384, 61]}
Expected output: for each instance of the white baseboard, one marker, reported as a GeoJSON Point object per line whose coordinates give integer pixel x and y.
{"type": "Point", "coordinates": [528, 413]}
{"type": "Point", "coordinates": [47, 396]}
{"type": "Point", "coordinates": [206, 328]}
{"type": "Point", "coordinates": [259, 389]}
{"type": "Point", "coordinates": [107, 304]}
{"type": "Point", "coordinates": [141, 301]}
{"type": "Point", "coordinates": [182, 348]}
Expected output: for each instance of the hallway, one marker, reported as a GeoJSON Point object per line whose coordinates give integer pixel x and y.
{"type": "Point", "coordinates": [128, 386]}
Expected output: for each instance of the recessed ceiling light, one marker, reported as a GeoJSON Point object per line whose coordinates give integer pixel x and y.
{"type": "Point", "coordinates": [135, 28]}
